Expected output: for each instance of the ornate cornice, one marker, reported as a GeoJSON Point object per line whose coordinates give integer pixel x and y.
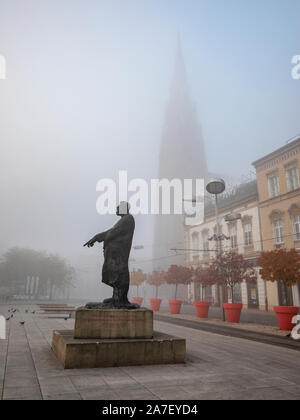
{"type": "Point", "coordinates": [247, 219]}
{"type": "Point", "coordinates": [294, 209]}
{"type": "Point", "coordinates": [280, 155]}
{"type": "Point", "coordinates": [276, 215]}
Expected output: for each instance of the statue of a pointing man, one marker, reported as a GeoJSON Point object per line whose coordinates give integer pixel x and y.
{"type": "Point", "coordinates": [115, 272]}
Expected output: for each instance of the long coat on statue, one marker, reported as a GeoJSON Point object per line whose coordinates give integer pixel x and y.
{"type": "Point", "coordinates": [117, 246]}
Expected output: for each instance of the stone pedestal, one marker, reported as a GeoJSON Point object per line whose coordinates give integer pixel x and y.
{"type": "Point", "coordinates": [83, 353]}
{"type": "Point", "coordinates": [113, 323]}
{"type": "Point", "coordinates": [115, 337]}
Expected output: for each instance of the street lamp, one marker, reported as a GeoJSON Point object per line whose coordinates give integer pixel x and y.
{"type": "Point", "coordinates": [217, 186]}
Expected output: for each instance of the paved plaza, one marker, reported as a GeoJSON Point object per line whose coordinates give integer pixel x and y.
{"type": "Point", "coordinates": [218, 367]}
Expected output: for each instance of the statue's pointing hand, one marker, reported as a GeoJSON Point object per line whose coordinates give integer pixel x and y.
{"type": "Point", "coordinates": [90, 243]}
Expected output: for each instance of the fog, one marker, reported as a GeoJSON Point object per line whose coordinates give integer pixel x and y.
{"type": "Point", "coordinates": [85, 96]}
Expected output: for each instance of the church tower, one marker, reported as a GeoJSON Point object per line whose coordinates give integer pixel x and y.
{"type": "Point", "coordinates": [182, 156]}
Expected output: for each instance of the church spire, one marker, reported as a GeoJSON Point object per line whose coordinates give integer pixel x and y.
{"type": "Point", "coordinates": [179, 84]}
{"type": "Point", "coordinates": [182, 157]}
{"type": "Point", "coordinates": [182, 152]}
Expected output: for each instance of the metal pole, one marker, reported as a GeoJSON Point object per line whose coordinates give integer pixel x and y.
{"type": "Point", "coordinates": [262, 248]}
{"type": "Point", "coordinates": [218, 252]}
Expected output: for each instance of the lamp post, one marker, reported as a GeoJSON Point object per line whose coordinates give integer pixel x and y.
{"type": "Point", "coordinates": [193, 200]}
{"type": "Point", "coordinates": [215, 187]}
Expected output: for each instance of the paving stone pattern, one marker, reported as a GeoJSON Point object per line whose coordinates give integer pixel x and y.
{"type": "Point", "coordinates": [218, 367]}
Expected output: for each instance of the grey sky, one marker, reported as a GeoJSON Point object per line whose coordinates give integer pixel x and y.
{"type": "Point", "coordinates": [86, 90]}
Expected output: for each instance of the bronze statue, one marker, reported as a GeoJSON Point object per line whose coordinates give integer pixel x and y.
{"type": "Point", "coordinates": [116, 249]}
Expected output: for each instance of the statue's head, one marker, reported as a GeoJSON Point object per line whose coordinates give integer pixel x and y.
{"type": "Point", "coordinates": [123, 208]}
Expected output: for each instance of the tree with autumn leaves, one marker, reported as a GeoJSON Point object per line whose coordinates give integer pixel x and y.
{"type": "Point", "coordinates": [156, 278]}
{"type": "Point", "coordinates": [204, 276]}
{"type": "Point", "coordinates": [231, 268]}
{"type": "Point", "coordinates": [178, 274]}
{"type": "Point", "coordinates": [137, 277]}
{"type": "Point", "coordinates": [280, 265]}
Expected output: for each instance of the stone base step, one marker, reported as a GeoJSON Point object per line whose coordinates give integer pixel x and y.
{"type": "Point", "coordinates": [94, 353]}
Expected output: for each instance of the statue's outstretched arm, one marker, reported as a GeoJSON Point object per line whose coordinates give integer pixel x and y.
{"type": "Point", "coordinates": [97, 238]}
{"type": "Point", "coordinates": [121, 228]}
{"type": "Point", "coordinates": [100, 237]}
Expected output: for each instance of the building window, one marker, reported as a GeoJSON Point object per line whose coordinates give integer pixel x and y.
{"type": "Point", "coordinates": [292, 178]}
{"type": "Point", "coordinates": [205, 244]}
{"type": "Point", "coordinates": [248, 234]}
{"type": "Point", "coordinates": [233, 237]}
{"type": "Point", "coordinates": [296, 226]}
{"type": "Point", "coordinates": [273, 183]}
{"type": "Point", "coordinates": [278, 232]}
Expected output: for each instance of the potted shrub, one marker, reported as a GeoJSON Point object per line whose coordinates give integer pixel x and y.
{"type": "Point", "coordinates": [177, 275]}
{"type": "Point", "coordinates": [230, 269]}
{"type": "Point", "coordinates": [137, 277]}
{"type": "Point", "coordinates": [202, 275]}
{"type": "Point", "coordinates": [157, 278]}
{"type": "Point", "coordinates": [282, 265]}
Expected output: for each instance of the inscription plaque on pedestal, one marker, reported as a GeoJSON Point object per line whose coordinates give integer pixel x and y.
{"type": "Point", "coordinates": [113, 323]}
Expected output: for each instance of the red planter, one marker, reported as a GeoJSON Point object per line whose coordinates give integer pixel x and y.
{"type": "Point", "coordinates": [202, 309]}
{"type": "Point", "coordinates": [233, 312]}
{"type": "Point", "coordinates": [175, 306]}
{"type": "Point", "coordinates": [137, 300]}
{"type": "Point", "coordinates": [155, 304]}
{"type": "Point", "coordinates": [285, 315]}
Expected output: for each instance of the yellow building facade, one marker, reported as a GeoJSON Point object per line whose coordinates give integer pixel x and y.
{"type": "Point", "coordinates": [279, 205]}
{"type": "Point", "coordinates": [242, 236]}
